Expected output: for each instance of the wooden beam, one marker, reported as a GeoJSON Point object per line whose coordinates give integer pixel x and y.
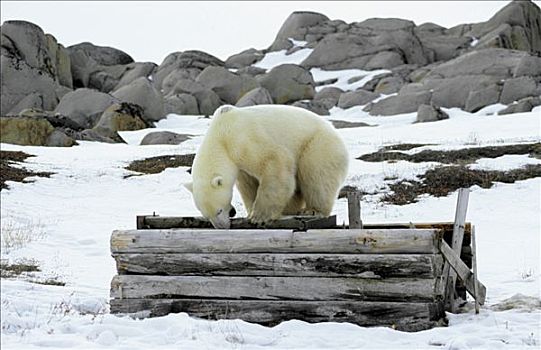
{"type": "Point", "coordinates": [299, 265]}
{"type": "Point", "coordinates": [274, 288]}
{"type": "Point", "coordinates": [458, 236]}
{"type": "Point", "coordinates": [401, 316]}
{"type": "Point", "coordinates": [331, 241]}
{"type": "Point", "coordinates": [354, 209]}
{"type": "Point", "coordinates": [473, 286]}
{"type": "Point", "coordinates": [474, 268]}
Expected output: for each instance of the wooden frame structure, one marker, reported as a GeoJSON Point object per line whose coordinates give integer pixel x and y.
{"type": "Point", "coordinates": [398, 275]}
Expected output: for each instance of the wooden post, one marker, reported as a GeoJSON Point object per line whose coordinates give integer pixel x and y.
{"type": "Point", "coordinates": [458, 236]}
{"type": "Point", "coordinates": [474, 268]}
{"type": "Point", "coordinates": [354, 209]}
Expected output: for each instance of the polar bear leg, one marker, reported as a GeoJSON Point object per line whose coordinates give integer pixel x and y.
{"type": "Point", "coordinates": [247, 186]}
{"type": "Point", "coordinates": [321, 174]}
{"type": "Point", "coordinates": [276, 187]}
{"type": "Point", "coordinates": [296, 204]}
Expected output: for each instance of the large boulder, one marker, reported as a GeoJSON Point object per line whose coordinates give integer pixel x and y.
{"type": "Point", "coordinates": [134, 71]}
{"type": "Point", "coordinates": [518, 88]}
{"type": "Point", "coordinates": [122, 117]}
{"type": "Point", "coordinates": [430, 113]}
{"type": "Point", "coordinates": [27, 131]}
{"type": "Point", "coordinates": [257, 96]}
{"type": "Point", "coordinates": [296, 27]}
{"type": "Point", "coordinates": [244, 59]}
{"type": "Point", "coordinates": [356, 98]}
{"type": "Point", "coordinates": [181, 60]}
{"type": "Point", "coordinates": [389, 85]}
{"type": "Point", "coordinates": [84, 106]}
{"type": "Point", "coordinates": [32, 63]}
{"type": "Point", "coordinates": [328, 96]}
{"type": "Point", "coordinates": [398, 104]}
{"type": "Point", "coordinates": [288, 83]}
{"type": "Point", "coordinates": [143, 93]}
{"type": "Point", "coordinates": [454, 92]}
{"type": "Point", "coordinates": [164, 138]}
{"type": "Point", "coordinates": [208, 102]}
{"type": "Point", "coordinates": [229, 86]}
{"type": "Point", "coordinates": [182, 104]}
{"type": "Point", "coordinates": [103, 55]}
{"type": "Point", "coordinates": [173, 79]}
{"type": "Point", "coordinates": [523, 105]}
{"type": "Point", "coordinates": [478, 99]}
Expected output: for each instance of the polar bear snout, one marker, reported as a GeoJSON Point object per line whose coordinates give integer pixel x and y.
{"type": "Point", "coordinates": [221, 220]}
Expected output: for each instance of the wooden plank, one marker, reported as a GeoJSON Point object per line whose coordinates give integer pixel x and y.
{"type": "Point", "coordinates": [302, 223]}
{"type": "Point", "coordinates": [474, 270]}
{"type": "Point", "coordinates": [309, 265]}
{"type": "Point", "coordinates": [473, 286]}
{"type": "Point", "coordinates": [398, 315]}
{"type": "Point", "coordinates": [276, 241]}
{"type": "Point", "coordinates": [354, 209]}
{"type": "Point", "coordinates": [274, 288]}
{"type": "Point", "coordinates": [449, 274]}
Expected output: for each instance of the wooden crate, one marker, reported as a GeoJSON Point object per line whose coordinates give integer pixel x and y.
{"type": "Point", "coordinates": [300, 268]}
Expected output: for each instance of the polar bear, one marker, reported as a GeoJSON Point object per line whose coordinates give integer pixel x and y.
{"type": "Point", "coordinates": [284, 160]}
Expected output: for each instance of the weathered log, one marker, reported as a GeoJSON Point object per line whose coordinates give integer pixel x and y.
{"type": "Point", "coordinates": [398, 315]}
{"type": "Point", "coordinates": [418, 241]}
{"type": "Point", "coordinates": [307, 265]}
{"type": "Point", "coordinates": [274, 288]}
{"type": "Point", "coordinates": [301, 223]}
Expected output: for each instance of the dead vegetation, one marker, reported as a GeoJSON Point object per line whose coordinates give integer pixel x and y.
{"type": "Point", "coordinates": [441, 181]}
{"type": "Point", "coordinates": [155, 165]}
{"type": "Point", "coordinates": [461, 156]}
{"type": "Point", "coordinates": [10, 173]}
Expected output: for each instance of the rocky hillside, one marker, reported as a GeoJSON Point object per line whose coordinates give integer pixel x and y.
{"type": "Point", "coordinates": [53, 95]}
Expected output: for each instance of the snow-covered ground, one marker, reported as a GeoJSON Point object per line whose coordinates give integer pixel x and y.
{"type": "Point", "coordinates": [75, 210]}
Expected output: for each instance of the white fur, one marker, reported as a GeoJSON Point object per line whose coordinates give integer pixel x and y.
{"type": "Point", "coordinates": [285, 160]}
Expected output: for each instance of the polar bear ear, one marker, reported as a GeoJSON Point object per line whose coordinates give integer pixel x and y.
{"type": "Point", "coordinates": [217, 181]}
{"type": "Point", "coordinates": [189, 186]}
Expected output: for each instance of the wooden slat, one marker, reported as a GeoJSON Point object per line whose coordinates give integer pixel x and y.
{"type": "Point", "coordinates": [193, 222]}
{"type": "Point", "coordinates": [276, 241]}
{"type": "Point", "coordinates": [457, 239]}
{"type": "Point", "coordinates": [474, 270]}
{"type": "Point", "coordinates": [479, 290]}
{"type": "Point", "coordinates": [310, 265]}
{"type": "Point", "coordinates": [354, 209]}
{"type": "Point", "coordinates": [273, 288]}
{"type": "Point", "coordinates": [401, 316]}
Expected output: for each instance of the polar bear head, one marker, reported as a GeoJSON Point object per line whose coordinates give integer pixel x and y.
{"type": "Point", "coordinates": [212, 197]}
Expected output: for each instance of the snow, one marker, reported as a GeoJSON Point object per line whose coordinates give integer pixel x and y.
{"type": "Point", "coordinates": [75, 210]}
{"type": "Point", "coordinates": [343, 77]}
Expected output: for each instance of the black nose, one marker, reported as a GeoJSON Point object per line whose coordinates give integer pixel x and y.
{"type": "Point", "coordinates": [232, 212]}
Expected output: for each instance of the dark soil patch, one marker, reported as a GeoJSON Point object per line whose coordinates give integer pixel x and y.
{"type": "Point", "coordinates": [403, 147]}
{"type": "Point", "coordinates": [463, 156]}
{"type": "Point", "coordinates": [156, 165]}
{"type": "Point", "coordinates": [10, 173]}
{"type": "Point", "coordinates": [441, 181]}
{"type": "Point", "coordinates": [14, 270]}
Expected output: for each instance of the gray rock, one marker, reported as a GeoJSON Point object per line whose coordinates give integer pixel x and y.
{"type": "Point", "coordinates": [182, 104]}
{"type": "Point", "coordinates": [444, 47]}
{"type": "Point", "coordinates": [524, 105]}
{"type": "Point", "coordinates": [481, 98]}
{"type": "Point", "coordinates": [169, 82]}
{"type": "Point", "coordinates": [227, 85]}
{"type": "Point", "coordinates": [122, 117]}
{"type": "Point", "coordinates": [288, 83]}
{"type": "Point", "coordinates": [135, 71]}
{"type": "Point", "coordinates": [517, 88]}
{"type": "Point", "coordinates": [251, 70]}
{"type": "Point", "coordinates": [296, 27]}
{"type": "Point", "coordinates": [187, 86]}
{"type": "Point", "coordinates": [401, 103]}
{"type": "Point", "coordinates": [61, 58]}
{"type": "Point", "coordinates": [528, 65]}
{"type": "Point", "coordinates": [314, 106]}
{"type": "Point", "coordinates": [389, 85]}
{"type": "Point", "coordinates": [82, 66]}
{"type": "Point", "coordinates": [208, 102]}
{"type": "Point", "coordinates": [384, 60]}
{"type": "Point", "coordinates": [328, 96]}
{"type": "Point", "coordinates": [429, 113]}
{"type": "Point", "coordinates": [257, 96]}
{"type": "Point", "coordinates": [59, 139]}
{"type": "Point", "coordinates": [244, 58]}
{"type": "Point", "coordinates": [26, 131]}
{"type": "Point", "coordinates": [164, 138]}
{"type": "Point", "coordinates": [32, 100]}
{"type": "Point", "coordinates": [356, 98]}
{"type": "Point", "coordinates": [342, 124]}
{"type": "Point", "coordinates": [103, 55]}
{"type": "Point", "coordinates": [144, 94]}
{"type": "Point", "coordinates": [179, 60]}
{"type": "Point", "coordinates": [100, 135]}
{"type": "Point", "coordinates": [454, 92]}
{"type": "Point", "coordinates": [84, 106]}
